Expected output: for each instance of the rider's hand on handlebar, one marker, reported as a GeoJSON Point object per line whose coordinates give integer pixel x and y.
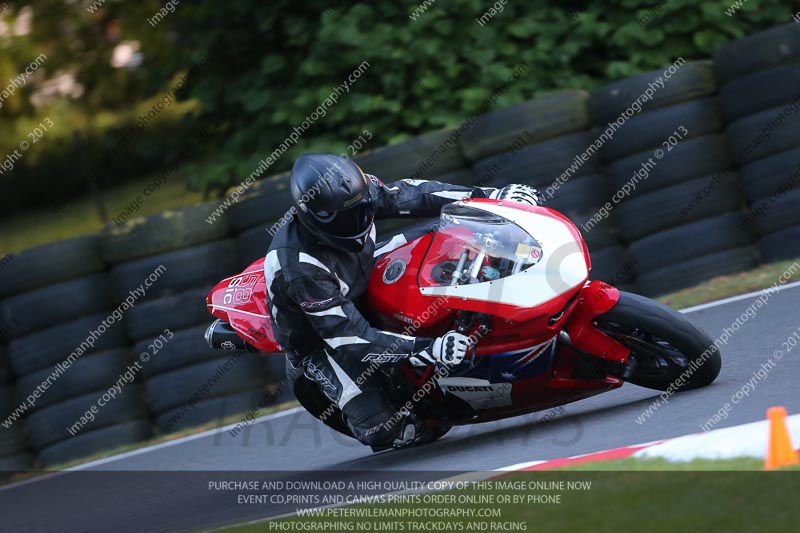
{"type": "Point", "coordinates": [449, 349]}
{"type": "Point", "coordinates": [523, 194]}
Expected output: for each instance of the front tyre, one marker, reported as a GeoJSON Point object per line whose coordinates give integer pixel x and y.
{"type": "Point", "coordinates": [667, 350]}
{"type": "Point", "coordinates": [433, 433]}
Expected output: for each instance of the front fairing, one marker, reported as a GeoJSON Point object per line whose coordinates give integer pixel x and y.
{"type": "Point", "coordinates": [487, 256]}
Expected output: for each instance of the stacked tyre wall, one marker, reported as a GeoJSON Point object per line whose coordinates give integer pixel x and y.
{"type": "Point", "coordinates": [720, 198]}
{"type": "Point", "coordinates": [186, 383]}
{"type": "Point", "coordinates": [760, 98]}
{"type": "Point", "coordinates": [13, 449]}
{"type": "Point", "coordinates": [680, 212]}
{"type": "Point", "coordinates": [53, 297]}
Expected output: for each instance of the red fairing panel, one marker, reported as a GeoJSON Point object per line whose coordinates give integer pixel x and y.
{"type": "Point", "coordinates": [594, 300]}
{"type": "Point", "coordinates": [241, 301]}
{"type": "Point", "coordinates": [394, 295]}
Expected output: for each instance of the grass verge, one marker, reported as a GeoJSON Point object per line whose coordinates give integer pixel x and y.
{"type": "Point", "coordinates": [727, 286]}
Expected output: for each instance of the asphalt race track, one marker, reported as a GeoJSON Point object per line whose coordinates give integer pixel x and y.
{"type": "Point", "coordinates": [293, 445]}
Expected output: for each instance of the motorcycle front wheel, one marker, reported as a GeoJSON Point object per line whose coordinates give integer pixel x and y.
{"type": "Point", "coordinates": [667, 350]}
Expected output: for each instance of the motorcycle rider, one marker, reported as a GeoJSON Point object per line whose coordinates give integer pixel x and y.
{"type": "Point", "coordinates": [317, 270]}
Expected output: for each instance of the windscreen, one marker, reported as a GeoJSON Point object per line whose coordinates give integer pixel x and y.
{"type": "Point", "coordinates": [474, 246]}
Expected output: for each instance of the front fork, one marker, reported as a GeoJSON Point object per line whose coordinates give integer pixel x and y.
{"type": "Point", "coordinates": [594, 299]}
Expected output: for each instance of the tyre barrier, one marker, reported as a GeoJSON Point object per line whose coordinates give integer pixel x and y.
{"type": "Point", "coordinates": [6, 375]}
{"type": "Point", "coordinates": [668, 166]}
{"type": "Point", "coordinates": [150, 318]}
{"type": "Point", "coordinates": [538, 164]}
{"type": "Point", "coordinates": [674, 206]}
{"type": "Point", "coordinates": [180, 398]}
{"type": "Point", "coordinates": [779, 212]}
{"type": "Point", "coordinates": [13, 448]}
{"type": "Point", "coordinates": [765, 133]}
{"type": "Point", "coordinates": [683, 243]}
{"type": "Point", "coordinates": [266, 201]}
{"type": "Point", "coordinates": [89, 373]}
{"type": "Point", "coordinates": [185, 372]}
{"type": "Point", "coordinates": [692, 80]}
{"type": "Point", "coordinates": [612, 265]}
{"type": "Point", "coordinates": [40, 308]}
{"type": "Point", "coordinates": [647, 131]}
{"type": "Point", "coordinates": [694, 271]}
{"type": "Point", "coordinates": [764, 50]}
{"type": "Point", "coordinates": [53, 345]}
{"type": "Point", "coordinates": [760, 99]}
{"type": "Point", "coordinates": [64, 420]}
{"type": "Point", "coordinates": [12, 440]}
{"type": "Point", "coordinates": [529, 122]}
{"type": "Point", "coordinates": [780, 245]}
{"type": "Point", "coordinates": [579, 199]}
{"type": "Point", "coordinates": [171, 230]}
{"type": "Point", "coordinates": [763, 91]}
{"type": "Point", "coordinates": [18, 462]}
{"type": "Point", "coordinates": [185, 347]}
{"type": "Point", "coordinates": [236, 372]}
{"type": "Point", "coordinates": [702, 156]}
{"type": "Point", "coordinates": [180, 270]}
{"type": "Point", "coordinates": [430, 154]}
{"type": "Point", "coordinates": [772, 176]}
{"type": "Point", "coordinates": [253, 244]}
{"type": "Point", "coordinates": [51, 263]}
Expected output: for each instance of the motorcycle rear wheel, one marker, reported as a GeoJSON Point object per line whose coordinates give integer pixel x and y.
{"type": "Point", "coordinates": [667, 350]}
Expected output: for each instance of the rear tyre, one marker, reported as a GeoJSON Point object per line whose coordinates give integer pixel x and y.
{"type": "Point", "coordinates": [667, 350]}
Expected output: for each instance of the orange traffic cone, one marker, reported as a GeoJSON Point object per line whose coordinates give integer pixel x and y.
{"type": "Point", "coordinates": [780, 451]}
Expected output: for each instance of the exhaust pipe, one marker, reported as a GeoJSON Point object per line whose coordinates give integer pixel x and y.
{"type": "Point", "coordinates": [221, 336]}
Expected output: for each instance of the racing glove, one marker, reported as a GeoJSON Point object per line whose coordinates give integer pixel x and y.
{"type": "Point", "coordinates": [523, 194]}
{"type": "Point", "coordinates": [449, 349]}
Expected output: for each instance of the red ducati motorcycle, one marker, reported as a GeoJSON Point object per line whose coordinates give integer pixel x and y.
{"type": "Point", "coordinates": [515, 278]}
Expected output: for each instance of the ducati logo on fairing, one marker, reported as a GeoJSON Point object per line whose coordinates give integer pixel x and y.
{"type": "Point", "coordinates": [403, 318]}
{"type": "Point", "coordinates": [463, 388]}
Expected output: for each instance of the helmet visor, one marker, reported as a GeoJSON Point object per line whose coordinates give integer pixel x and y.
{"type": "Point", "coordinates": [346, 224]}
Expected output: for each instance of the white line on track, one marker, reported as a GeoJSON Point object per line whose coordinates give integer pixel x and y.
{"type": "Point", "coordinates": [736, 298]}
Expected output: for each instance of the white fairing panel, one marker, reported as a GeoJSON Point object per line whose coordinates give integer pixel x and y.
{"type": "Point", "coordinates": [561, 269]}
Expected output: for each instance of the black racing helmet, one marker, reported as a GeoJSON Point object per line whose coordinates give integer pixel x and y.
{"type": "Point", "coordinates": [334, 201]}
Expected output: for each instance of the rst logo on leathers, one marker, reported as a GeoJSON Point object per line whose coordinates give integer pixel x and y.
{"type": "Point", "coordinates": [383, 358]}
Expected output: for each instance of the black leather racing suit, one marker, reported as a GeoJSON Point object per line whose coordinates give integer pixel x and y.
{"type": "Point", "coordinates": [314, 293]}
